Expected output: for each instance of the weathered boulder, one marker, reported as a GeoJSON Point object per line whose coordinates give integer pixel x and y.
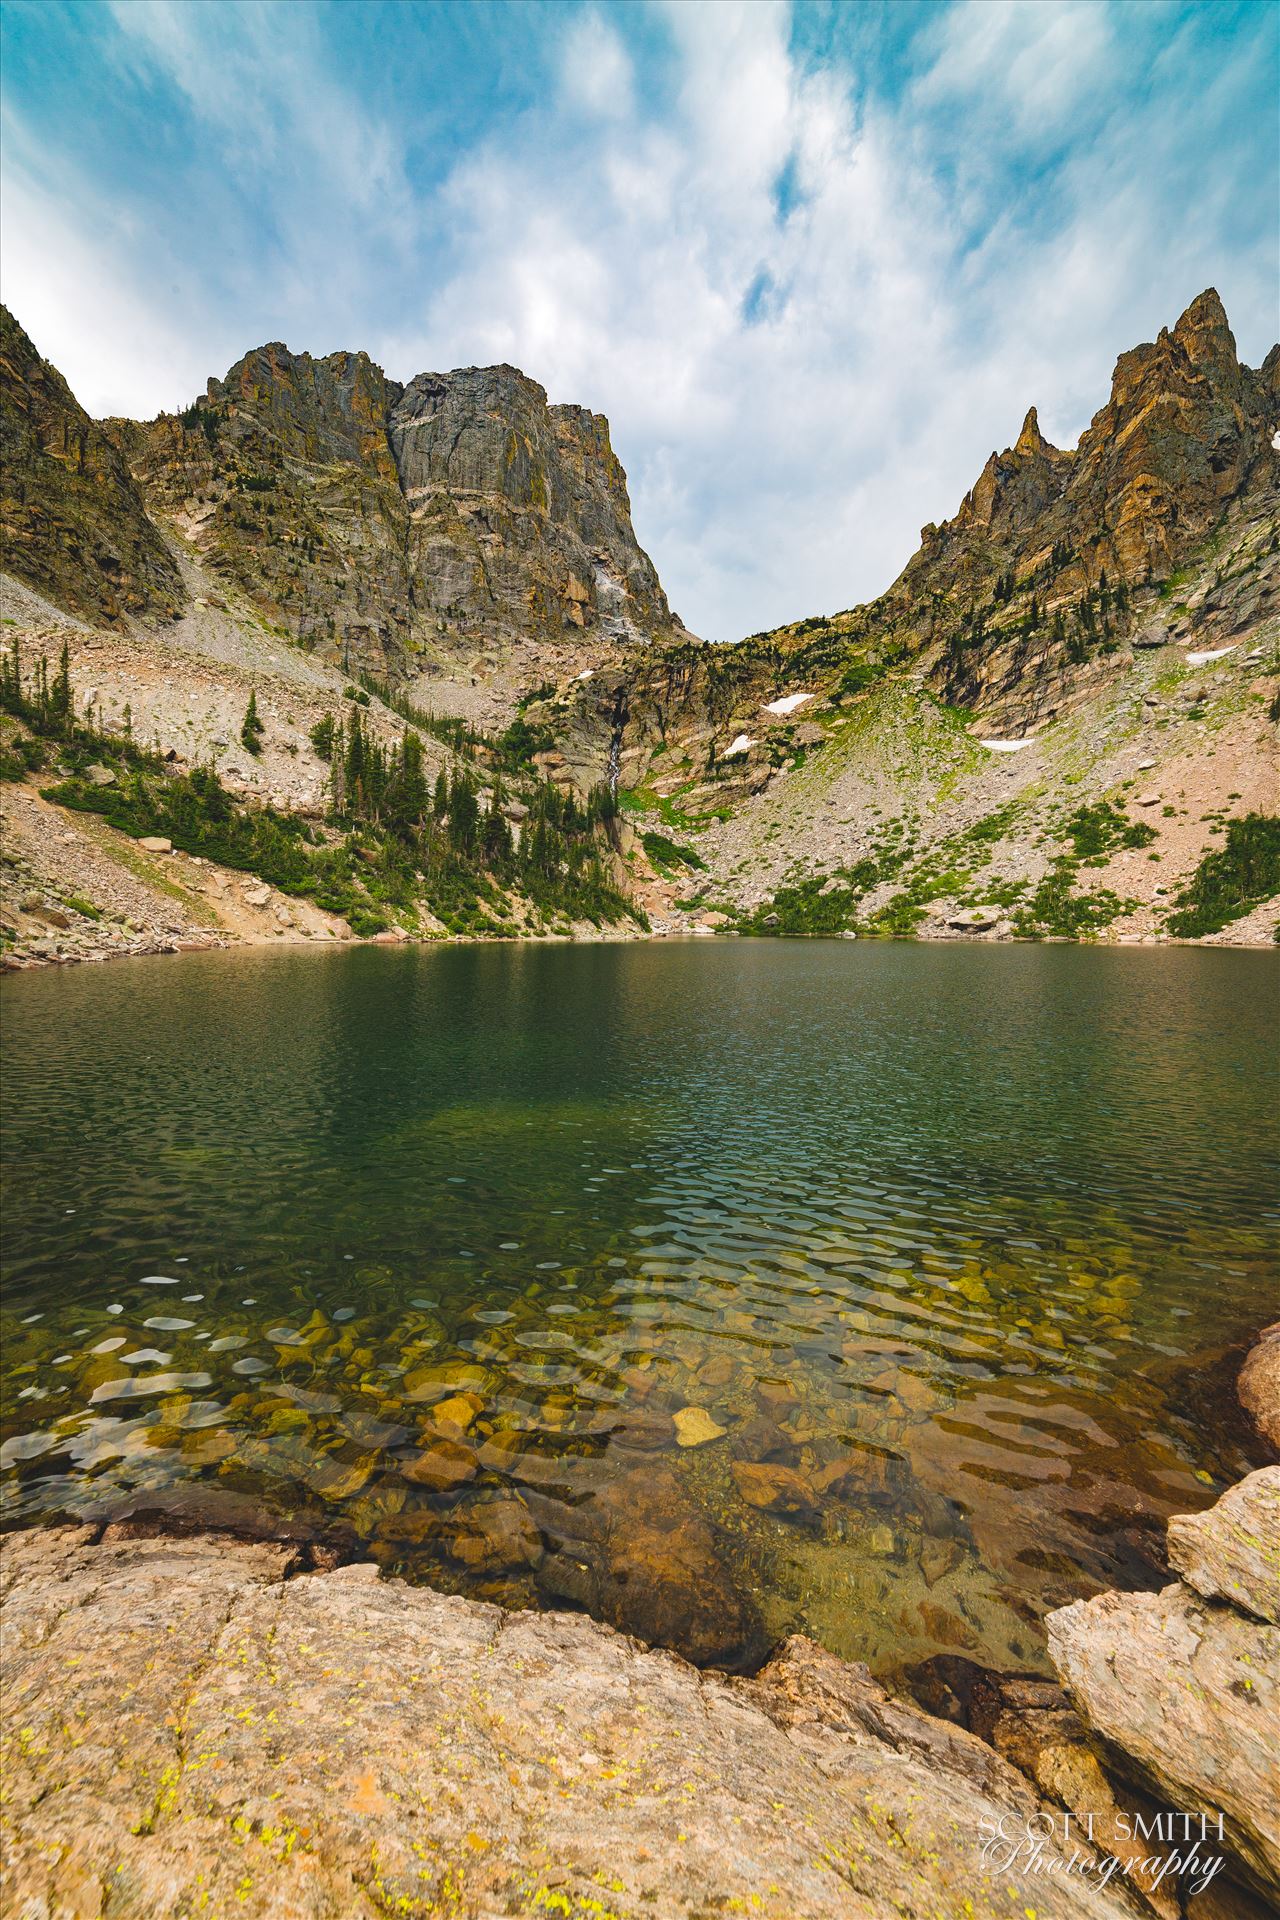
{"type": "Point", "coordinates": [1232, 1552]}
{"type": "Point", "coordinates": [974, 919]}
{"type": "Point", "coordinates": [1185, 1690]}
{"type": "Point", "coordinates": [1258, 1386]}
{"type": "Point", "coordinates": [188, 1729]}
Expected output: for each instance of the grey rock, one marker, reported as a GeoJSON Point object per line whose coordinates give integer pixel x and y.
{"type": "Point", "coordinates": [1258, 1386]}
{"type": "Point", "coordinates": [519, 508]}
{"type": "Point", "coordinates": [1232, 1552]}
{"type": "Point", "coordinates": [190, 1730]}
{"type": "Point", "coordinates": [1185, 1690]}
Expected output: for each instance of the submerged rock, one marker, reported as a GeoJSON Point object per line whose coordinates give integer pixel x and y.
{"type": "Point", "coordinates": [761, 1438]}
{"type": "Point", "coordinates": [695, 1427]}
{"type": "Point", "coordinates": [640, 1429]}
{"type": "Point", "coordinates": [444, 1465]}
{"type": "Point", "coordinates": [776, 1489]}
{"type": "Point", "coordinates": [642, 1555]}
{"type": "Point", "coordinates": [458, 1411]}
{"type": "Point", "coordinates": [495, 1536]}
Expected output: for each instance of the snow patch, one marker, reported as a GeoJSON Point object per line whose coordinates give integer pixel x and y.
{"type": "Point", "coordinates": [1214, 653]}
{"type": "Point", "coordinates": [743, 744]}
{"type": "Point", "coordinates": [1008, 746]}
{"type": "Point", "coordinates": [787, 704]}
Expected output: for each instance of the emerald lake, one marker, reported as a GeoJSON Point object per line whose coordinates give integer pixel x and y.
{"type": "Point", "coordinates": [723, 1288]}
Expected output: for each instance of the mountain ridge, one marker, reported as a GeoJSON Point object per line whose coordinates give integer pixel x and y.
{"type": "Point", "coordinates": [458, 544]}
{"type": "Point", "coordinates": [381, 524]}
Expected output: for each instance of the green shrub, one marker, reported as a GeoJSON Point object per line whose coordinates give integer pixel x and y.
{"type": "Point", "coordinates": [666, 854]}
{"type": "Point", "coordinates": [21, 756]}
{"type": "Point", "coordinates": [1098, 831]}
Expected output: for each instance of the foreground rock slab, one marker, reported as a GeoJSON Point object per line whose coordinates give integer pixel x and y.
{"type": "Point", "coordinates": [190, 1731]}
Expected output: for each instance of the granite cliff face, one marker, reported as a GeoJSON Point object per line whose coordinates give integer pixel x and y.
{"type": "Point", "coordinates": [519, 515]}
{"type": "Point", "coordinates": [384, 527]}
{"type": "Point", "coordinates": [72, 521]}
{"type": "Point", "coordinates": [282, 481]}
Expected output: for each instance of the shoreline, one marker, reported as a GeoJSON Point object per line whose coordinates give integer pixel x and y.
{"type": "Point", "coordinates": [265, 943]}
{"type": "Point", "coordinates": [307, 1739]}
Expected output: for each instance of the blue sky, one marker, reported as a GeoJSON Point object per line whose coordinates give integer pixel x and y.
{"type": "Point", "coordinates": [813, 260]}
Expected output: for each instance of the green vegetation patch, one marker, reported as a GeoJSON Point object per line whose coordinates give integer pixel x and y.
{"type": "Point", "coordinates": [804, 908]}
{"type": "Point", "coordinates": [1099, 831]}
{"type": "Point", "coordinates": [667, 855]}
{"type": "Point", "coordinates": [641, 800]}
{"type": "Point", "coordinates": [1232, 880]}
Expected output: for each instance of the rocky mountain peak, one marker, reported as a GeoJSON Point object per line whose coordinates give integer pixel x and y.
{"type": "Point", "coordinates": [1203, 331]}
{"type": "Point", "coordinates": [1182, 432]}
{"type": "Point", "coordinates": [74, 524]}
{"type": "Point", "coordinates": [1031, 441]}
{"type": "Point", "coordinates": [385, 526]}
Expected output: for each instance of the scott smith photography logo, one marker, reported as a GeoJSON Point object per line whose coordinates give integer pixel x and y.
{"type": "Point", "coordinates": [1152, 1850]}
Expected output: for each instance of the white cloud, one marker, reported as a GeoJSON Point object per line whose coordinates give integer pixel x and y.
{"type": "Point", "coordinates": [68, 281]}
{"type": "Point", "coordinates": [595, 68]}
{"type": "Point", "coordinates": [1006, 58]}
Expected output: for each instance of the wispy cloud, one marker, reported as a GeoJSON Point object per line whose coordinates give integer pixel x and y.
{"type": "Point", "coordinates": [812, 265]}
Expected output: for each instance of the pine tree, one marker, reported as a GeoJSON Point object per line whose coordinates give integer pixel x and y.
{"type": "Point", "coordinates": [60, 702]}
{"type": "Point", "coordinates": [252, 729]}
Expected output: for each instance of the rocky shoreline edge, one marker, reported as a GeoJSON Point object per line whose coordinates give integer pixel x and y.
{"type": "Point", "coordinates": [202, 1726]}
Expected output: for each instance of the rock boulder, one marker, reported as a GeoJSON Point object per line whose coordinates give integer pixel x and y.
{"type": "Point", "coordinates": [1184, 1685]}
{"type": "Point", "coordinates": [191, 1727]}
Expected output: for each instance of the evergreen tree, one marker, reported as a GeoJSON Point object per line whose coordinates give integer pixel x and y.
{"type": "Point", "coordinates": [496, 839]}
{"type": "Point", "coordinates": [464, 814]}
{"type": "Point", "coordinates": [60, 702]}
{"type": "Point", "coordinates": [252, 729]}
